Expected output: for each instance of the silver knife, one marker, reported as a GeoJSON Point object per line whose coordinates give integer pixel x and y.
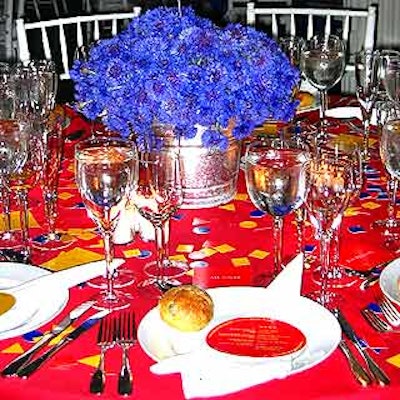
{"type": "Point", "coordinates": [20, 361]}
{"type": "Point", "coordinates": [32, 366]}
{"type": "Point", "coordinates": [379, 375]}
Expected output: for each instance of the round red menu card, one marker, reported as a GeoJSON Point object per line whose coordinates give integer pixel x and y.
{"type": "Point", "coordinates": [256, 337]}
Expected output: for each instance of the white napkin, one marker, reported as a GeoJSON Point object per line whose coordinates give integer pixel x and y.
{"type": "Point", "coordinates": [205, 373]}
{"type": "Point", "coordinates": [349, 112]}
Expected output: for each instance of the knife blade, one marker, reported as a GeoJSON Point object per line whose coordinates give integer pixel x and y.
{"type": "Point", "coordinates": [20, 361]}
{"type": "Point", "coordinates": [34, 365]}
{"type": "Point", "coordinates": [379, 375]}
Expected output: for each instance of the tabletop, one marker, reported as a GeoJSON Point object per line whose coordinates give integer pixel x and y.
{"type": "Point", "coordinates": [240, 247]}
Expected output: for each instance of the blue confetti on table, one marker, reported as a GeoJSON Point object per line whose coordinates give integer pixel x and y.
{"type": "Point", "coordinates": [201, 230]}
{"type": "Point", "coordinates": [144, 254]}
{"type": "Point", "coordinates": [364, 195]}
{"type": "Point", "coordinates": [356, 229]}
{"type": "Point", "coordinates": [177, 217]}
{"type": "Point", "coordinates": [309, 248]}
{"type": "Point", "coordinates": [198, 264]}
{"type": "Point", "coordinates": [31, 336]}
{"type": "Point", "coordinates": [257, 214]}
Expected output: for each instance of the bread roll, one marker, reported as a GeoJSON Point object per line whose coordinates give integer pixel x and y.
{"type": "Point", "coordinates": [306, 99]}
{"type": "Point", "coordinates": [186, 308]}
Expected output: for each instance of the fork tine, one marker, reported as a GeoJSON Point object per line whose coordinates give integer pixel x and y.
{"type": "Point", "coordinates": [377, 323]}
{"type": "Point", "coordinates": [389, 311]}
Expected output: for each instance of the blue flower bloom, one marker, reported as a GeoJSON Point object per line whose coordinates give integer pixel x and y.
{"type": "Point", "coordinates": [183, 71]}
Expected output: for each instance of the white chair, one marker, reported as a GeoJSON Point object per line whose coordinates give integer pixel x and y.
{"type": "Point", "coordinates": [360, 23]}
{"type": "Point", "coordinates": [85, 29]}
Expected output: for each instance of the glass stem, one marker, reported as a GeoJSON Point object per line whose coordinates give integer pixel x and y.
{"type": "Point", "coordinates": [5, 198]}
{"type": "Point", "coordinates": [300, 217]}
{"type": "Point", "coordinates": [391, 210]}
{"type": "Point", "coordinates": [322, 111]}
{"type": "Point", "coordinates": [161, 247]}
{"type": "Point", "coordinates": [277, 238]}
{"type": "Point", "coordinates": [50, 205]}
{"type": "Point", "coordinates": [109, 256]}
{"type": "Point", "coordinates": [325, 266]}
{"type": "Point", "coordinates": [366, 123]}
{"type": "Point", "coordinates": [24, 218]}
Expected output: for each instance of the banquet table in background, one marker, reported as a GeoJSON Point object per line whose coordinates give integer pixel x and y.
{"type": "Point", "coordinates": [237, 246]}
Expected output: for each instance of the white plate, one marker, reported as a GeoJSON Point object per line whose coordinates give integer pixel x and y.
{"type": "Point", "coordinates": [43, 307]}
{"type": "Point", "coordinates": [320, 327]}
{"type": "Point", "coordinates": [389, 281]}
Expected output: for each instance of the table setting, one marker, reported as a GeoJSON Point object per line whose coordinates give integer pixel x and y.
{"type": "Point", "coordinates": [250, 257]}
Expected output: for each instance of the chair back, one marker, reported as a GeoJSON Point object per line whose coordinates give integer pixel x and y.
{"type": "Point", "coordinates": [59, 38]}
{"type": "Point", "coordinates": [341, 22]}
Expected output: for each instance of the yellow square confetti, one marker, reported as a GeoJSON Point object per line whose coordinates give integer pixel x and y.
{"type": "Point", "coordinates": [352, 211]}
{"type": "Point", "coordinates": [228, 207]}
{"type": "Point", "coordinates": [260, 254]}
{"type": "Point", "coordinates": [224, 248]}
{"type": "Point", "coordinates": [370, 205]}
{"type": "Point", "coordinates": [65, 196]}
{"type": "Point", "coordinates": [132, 253]}
{"type": "Point", "coordinates": [208, 251]}
{"type": "Point", "coordinates": [185, 248]}
{"type": "Point", "coordinates": [178, 257]}
{"type": "Point", "coordinates": [241, 196]}
{"type": "Point", "coordinates": [76, 256]}
{"type": "Point", "coordinates": [240, 261]}
{"type": "Point", "coordinates": [61, 336]}
{"type": "Point", "coordinates": [395, 360]}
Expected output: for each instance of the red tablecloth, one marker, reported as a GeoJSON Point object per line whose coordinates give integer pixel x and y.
{"type": "Point", "coordinates": [67, 375]}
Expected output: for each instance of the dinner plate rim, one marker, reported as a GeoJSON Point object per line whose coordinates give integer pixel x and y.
{"type": "Point", "coordinates": [334, 338]}
{"type": "Point", "coordinates": [47, 310]}
{"type": "Point", "coordinates": [386, 284]}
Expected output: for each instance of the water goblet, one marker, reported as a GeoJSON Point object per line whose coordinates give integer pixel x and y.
{"type": "Point", "coordinates": [157, 195]}
{"type": "Point", "coordinates": [366, 68]}
{"type": "Point", "coordinates": [275, 171]}
{"type": "Point", "coordinates": [105, 173]}
{"type": "Point", "coordinates": [330, 188]}
{"type": "Point", "coordinates": [323, 64]}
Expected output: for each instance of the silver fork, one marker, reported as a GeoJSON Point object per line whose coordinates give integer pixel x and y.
{"type": "Point", "coordinates": [379, 324]}
{"type": "Point", "coordinates": [125, 338]}
{"type": "Point", "coordinates": [105, 339]}
{"type": "Point", "coordinates": [389, 311]}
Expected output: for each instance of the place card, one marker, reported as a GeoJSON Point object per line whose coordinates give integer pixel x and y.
{"type": "Point", "coordinates": [256, 337]}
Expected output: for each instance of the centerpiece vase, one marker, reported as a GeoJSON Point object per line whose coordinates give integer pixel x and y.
{"type": "Point", "coordinates": [210, 174]}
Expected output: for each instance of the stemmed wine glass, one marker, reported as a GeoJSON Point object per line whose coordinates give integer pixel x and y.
{"type": "Point", "coordinates": [105, 173]}
{"type": "Point", "coordinates": [53, 239]}
{"type": "Point", "coordinates": [366, 66]}
{"type": "Point", "coordinates": [323, 64]}
{"type": "Point", "coordinates": [275, 171]}
{"type": "Point", "coordinates": [157, 195]}
{"type": "Point", "coordinates": [391, 76]}
{"type": "Point", "coordinates": [330, 188]}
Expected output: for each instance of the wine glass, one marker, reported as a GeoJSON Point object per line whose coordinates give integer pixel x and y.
{"type": "Point", "coordinates": [157, 195]}
{"type": "Point", "coordinates": [25, 178]}
{"type": "Point", "coordinates": [330, 189]}
{"type": "Point", "coordinates": [353, 153]}
{"type": "Point", "coordinates": [105, 173]}
{"type": "Point", "coordinates": [13, 156]}
{"type": "Point", "coordinates": [53, 239]}
{"type": "Point", "coordinates": [391, 76]}
{"type": "Point", "coordinates": [275, 171]}
{"type": "Point", "coordinates": [323, 64]}
{"type": "Point", "coordinates": [292, 46]}
{"type": "Point", "coordinates": [366, 67]}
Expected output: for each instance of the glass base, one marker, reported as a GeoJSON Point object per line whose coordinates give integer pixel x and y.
{"type": "Point", "coordinates": [53, 241]}
{"type": "Point", "coordinates": [117, 301]}
{"type": "Point", "coordinates": [386, 224]}
{"type": "Point", "coordinates": [123, 279]}
{"type": "Point", "coordinates": [338, 277]}
{"type": "Point", "coordinates": [171, 269]}
{"type": "Point", "coordinates": [154, 288]}
{"type": "Point", "coordinates": [10, 240]}
{"type": "Point", "coordinates": [329, 300]}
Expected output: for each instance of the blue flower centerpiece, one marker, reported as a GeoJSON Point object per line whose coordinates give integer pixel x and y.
{"type": "Point", "coordinates": [172, 68]}
{"type": "Point", "coordinates": [183, 70]}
